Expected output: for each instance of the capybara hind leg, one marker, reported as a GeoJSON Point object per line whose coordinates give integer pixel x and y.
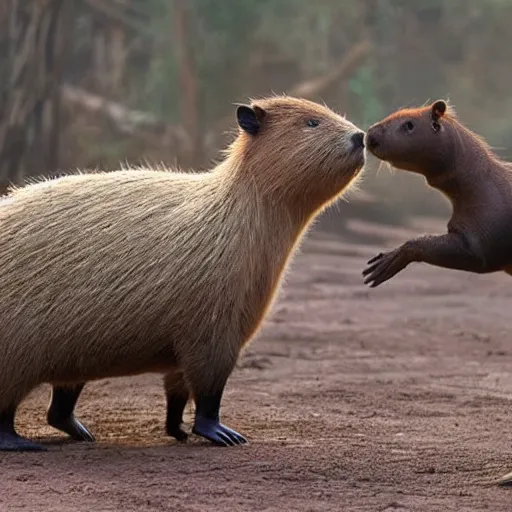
{"type": "Point", "coordinates": [207, 387]}
{"type": "Point", "coordinates": [177, 395]}
{"type": "Point", "coordinates": [61, 412]}
{"type": "Point", "coordinates": [10, 441]}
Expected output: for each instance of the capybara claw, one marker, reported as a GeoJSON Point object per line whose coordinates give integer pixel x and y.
{"type": "Point", "coordinates": [11, 442]}
{"type": "Point", "coordinates": [74, 429]}
{"type": "Point", "coordinates": [217, 433]}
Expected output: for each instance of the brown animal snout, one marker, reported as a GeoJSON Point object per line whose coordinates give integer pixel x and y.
{"type": "Point", "coordinates": [372, 142]}
{"type": "Point", "coordinates": [374, 138]}
{"type": "Point", "coordinates": [358, 140]}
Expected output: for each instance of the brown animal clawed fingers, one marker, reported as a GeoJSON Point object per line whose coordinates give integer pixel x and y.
{"type": "Point", "coordinates": [384, 266]}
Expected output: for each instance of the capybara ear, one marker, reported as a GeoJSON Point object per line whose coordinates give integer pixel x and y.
{"type": "Point", "coordinates": [438, 109]}
{"type": "Point", "coordinates": [250, 118]}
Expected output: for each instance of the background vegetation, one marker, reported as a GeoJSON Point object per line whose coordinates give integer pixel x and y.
{"type": "Point", "coordinates": [90, 83]}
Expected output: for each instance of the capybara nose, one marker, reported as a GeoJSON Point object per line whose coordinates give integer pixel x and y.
{"type": "Point", "coordinates": [371, 141]}
{"type": "Point", "coordinates": [358, 140]}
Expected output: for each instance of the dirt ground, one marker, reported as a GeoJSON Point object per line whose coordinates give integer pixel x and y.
{"type": "Point", "coordinates": [398, 398]}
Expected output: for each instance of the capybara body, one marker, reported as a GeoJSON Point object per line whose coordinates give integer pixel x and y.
{"type": "Point", "coordinates": [432, 141]}
{"type": "Point", "coordinates": [148, 270]}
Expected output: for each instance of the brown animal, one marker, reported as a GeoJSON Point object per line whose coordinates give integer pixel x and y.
{"type": "Point", "coordinates": [431, 141]}
{"type": "Point", "coordinates": [149, 270]}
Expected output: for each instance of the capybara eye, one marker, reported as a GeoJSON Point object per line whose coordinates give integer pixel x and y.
{"type": "Point", "coordinates": [408, 126]}
{"type": "Point", "coordinates": [313, 123]}
{"type": "Point", "coordinates": [436, 126]}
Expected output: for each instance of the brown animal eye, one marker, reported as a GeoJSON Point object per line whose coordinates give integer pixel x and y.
{"type": "Point", "coordinates": [313, 123]}
{"type": "Point", "coordinates": [408, 126]}
{"type": "Point", "coordinates": [436, 126]}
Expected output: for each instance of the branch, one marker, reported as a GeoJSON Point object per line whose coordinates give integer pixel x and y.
{"type": "Point", "coordinates": [127, 121]}
{"type": "Point", "coordinates": [114, 11]}
{"type": "Point", "coordinates": [349, 61]}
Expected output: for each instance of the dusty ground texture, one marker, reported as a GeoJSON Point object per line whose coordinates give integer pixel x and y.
{"type": "Point", "coordinates": [398, 398]}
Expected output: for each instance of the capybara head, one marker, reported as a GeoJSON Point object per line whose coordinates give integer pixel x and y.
{"type": "Point", "coordinates": [422, 140]}
{"type": "Point", "coordinates": [297, 147]}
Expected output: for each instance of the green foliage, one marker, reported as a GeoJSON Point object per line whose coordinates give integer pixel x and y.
{"type": "Point", "coordinates": [222, 34]}
{"type": "Point", "coordinates": [156, 77]}
{"type": "Point", "coordinates": [362, 85]}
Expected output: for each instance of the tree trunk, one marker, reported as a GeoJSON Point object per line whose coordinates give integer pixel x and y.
{"type": "Point", "coordinates": [109, 50]}
{"type": "Point", "coordinates": [188, 87]}
{"type": "Point", "coordinates": [29, 94]}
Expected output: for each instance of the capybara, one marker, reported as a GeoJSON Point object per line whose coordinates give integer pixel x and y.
{"type": "Point", "coordinates": [432, 141]}
{"type": "Point", "coordinates": [155, 270]}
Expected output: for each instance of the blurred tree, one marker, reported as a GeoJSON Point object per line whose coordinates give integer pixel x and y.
{"type": "Point", "coordinates": [32, 46]}
{"type": "Point", "coordinates": [155, 80]}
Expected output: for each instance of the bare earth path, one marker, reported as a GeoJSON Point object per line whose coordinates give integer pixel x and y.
{"type": "Point", "coordinates": [398, 398]}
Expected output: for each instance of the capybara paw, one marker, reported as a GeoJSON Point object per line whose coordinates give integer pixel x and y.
{"type": "Point", "coordinates": [10, 442]}
{"type": "Point", "coordinates": [217, 433]}
{"type": "Point", "coordinates": [177, 433]}
{"type": "Point", "coordinates": [73, 428]}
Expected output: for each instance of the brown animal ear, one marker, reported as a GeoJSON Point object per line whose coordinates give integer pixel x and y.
{"type": "Point", "coordinates": [249, 118]}
{"type": "Point", "coordinates": [438, 109]}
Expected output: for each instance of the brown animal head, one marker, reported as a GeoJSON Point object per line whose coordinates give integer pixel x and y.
{"type": "Point", "coordinates": [424, 140]}
{"type": "Point", "coordinates": [296, 149]}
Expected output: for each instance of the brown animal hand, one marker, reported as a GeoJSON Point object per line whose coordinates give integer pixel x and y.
{"type": "Point", "coordinates": [384, 266]}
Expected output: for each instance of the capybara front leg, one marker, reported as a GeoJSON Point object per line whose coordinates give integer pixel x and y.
{"type": "Point", "coordinates": [10, 441]}
{"type": "Point", "coordinates": [207, 385]}
{"type": "Point", "coordinates": [177, 395]}
{"type": "Point", "coordinates": [207, 423]}
{"type": "Point", "coordinates": [61, 412]}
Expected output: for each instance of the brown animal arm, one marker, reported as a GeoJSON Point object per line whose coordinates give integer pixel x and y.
{"type": "Point", "coordinates": [448, 251]}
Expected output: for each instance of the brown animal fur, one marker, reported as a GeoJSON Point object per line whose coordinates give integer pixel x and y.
{"type": "Point", "coordinates": [149, 270]}
{"type": "Point", "coordinates": [432, 141]}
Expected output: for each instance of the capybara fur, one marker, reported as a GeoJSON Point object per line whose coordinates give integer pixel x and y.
{"type": "Point", "coordinates": [154, 270]}
{"type": "Point", "coordinates": [431, 141]}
